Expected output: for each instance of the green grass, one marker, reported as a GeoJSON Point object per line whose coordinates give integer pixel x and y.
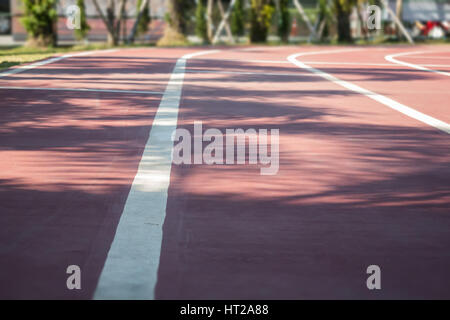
{"type": "Point", "coordinates": [12, 56]}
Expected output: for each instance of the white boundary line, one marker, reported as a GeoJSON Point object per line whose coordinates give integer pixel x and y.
{"type": "Point", "coordinates": [410, 112]}
{"type": "Point", "coordinates": [82, 90]}
{"type": "Point", "coordinates": [26, 67]}
{"type": "Point", "coordinates": [333, 63]}
{"type": "Point", "coordinates": [372, 64]}
{"type": "Point", "coordinates": [250, 73]}
{"type": "Point", "coordinates": [430, 57]}
{"type": "Point", "coordinates": [391, 58]}
{"type": "Point", "coordinates": [131, 268]}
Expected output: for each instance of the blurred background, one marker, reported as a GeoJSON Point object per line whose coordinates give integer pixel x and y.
{"type": "Point", "coordinates": [191, 22]}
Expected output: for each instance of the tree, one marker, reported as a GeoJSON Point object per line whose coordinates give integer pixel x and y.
{"type": "Point", "coordinates": [237, 18]}
{"type": "Point", "coordinates": [39, 20]}
{"type": "Point", "coordinates": [325, 19]}
{"type": "Point", "coordinates": [283, 20]}
{"type": "Point", "coordinates": [399, 13]}
{"type": "Point", "coordinates": [112, 23]}
{"type": "Point", "coordinates": [260, 19]}
{"type": "Point", "coordinates": [201, 28]}
{"type": "Point", "coordinates": [343, 9]}
{"type": "Point", "coordinates": [144, 19]}
{"type": "Point", "coordinates": [140, 13]}
{"type": "Point", "coordinates": [177, 22]}
{"type": "Point", "coordinates": [82, 32]}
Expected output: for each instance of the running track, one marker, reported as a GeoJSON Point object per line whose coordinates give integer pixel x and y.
{"type": "Point", "coordinates": [363, 179]}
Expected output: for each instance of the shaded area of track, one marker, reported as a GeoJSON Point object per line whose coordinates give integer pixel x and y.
{"type": "Point", "coordinates": [67, 161]}
{"type": "Point", "coordinates": [359, 184]}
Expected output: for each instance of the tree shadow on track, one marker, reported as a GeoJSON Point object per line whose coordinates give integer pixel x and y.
{"type": "Point", "coordinates": [312, 230]}
{"type": "Point", "coordinates": [348, 194]}
{"type": "Point", "coordinates": [265, 71]}
{"type": "Point", "coordinates": [67, 162]}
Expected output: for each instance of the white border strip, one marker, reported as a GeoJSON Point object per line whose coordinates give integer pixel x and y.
{"type": "Point", "coordinates": [249, 73]}
{"type": "Point", "coordinates": [362, 64]}
{"type": "Point", "coordinates": [131, 268]}
{"type": "Point", "coordinates": [82, 90]}
{"type": "Point", "coordinates": [410, 112]}
{"type": "Point", "coordinates": [391, 58]}
{"type": "Point", "coordinates": [26, 67]}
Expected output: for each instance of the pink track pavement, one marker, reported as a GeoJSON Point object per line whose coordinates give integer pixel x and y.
{"type": "Point", "coordinates": [358, 184]}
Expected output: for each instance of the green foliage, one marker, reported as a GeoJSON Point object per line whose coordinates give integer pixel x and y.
{"type": "Point", "coordinates": [39, 20]}
{"type": "Point", "coordinates": [81, 33]}
{"type": "Point", "coordinates": [260, 18]}
{"type": "Point", "coordinates": [238, 18]}
{"type": "Point", "coordinates": [346, 5]}
{"type": "Point", "coordinates": [145, 19]}
{"type": "Point", "coordinates": [201, 28]}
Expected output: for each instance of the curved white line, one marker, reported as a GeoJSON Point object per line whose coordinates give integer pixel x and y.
{"type": "Point", "coordinates": [391, 58]}
{"type": "Point", "coordinates": [410, 112]}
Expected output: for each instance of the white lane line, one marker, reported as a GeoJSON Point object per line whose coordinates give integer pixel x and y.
{"type": "Point", "coordinates": [410, 112]}
{"type": "Point", "coordinates": [130, 270]}
{"type": "Point", "coordinates": [26, 67]}
{"type": "Point", "coordinates": [82, 90]}
{"type": "Point", "coordinates": [258, 48]}
{"type": "Point", "coordinates": [249, 73]}
{"type": "Point", "coordinates": [429, 57]}
{"type": "Point", "coordinates": [335, 63]}
{"type": "Point", "coordinates": [391, 58]}
{"type": "Point", "coordinates": [259, 61]}
{"type": "Point", "coordinates": [372, 64]}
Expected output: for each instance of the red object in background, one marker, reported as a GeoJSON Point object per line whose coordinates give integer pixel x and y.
{"type": "Point", "coordinates": [431, 24]}
{"type": "Point", "coordinates": [428, 26]}
{"type": "Point", "coordinates": [294, 29]}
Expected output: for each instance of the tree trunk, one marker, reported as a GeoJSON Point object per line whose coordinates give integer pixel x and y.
{"type": "Point", "coordinates": [175, 16]}
{"type": "Point", "coordinates": [364, 30]}
{"type": "Point", "coordinates": [136, 23]}
{"type": "Point", "coordinates": [110, 10]}
{"type": "Point", "coordinates": [343, 19]}
{"type": "Point", "coordinates": [107, 21]}
{"type": "Point", "coordinates": [173, 33]}
{"type": "Point", "coordinates": [398, 12]}
{"type": "Point", "coordinates": [209, 8]}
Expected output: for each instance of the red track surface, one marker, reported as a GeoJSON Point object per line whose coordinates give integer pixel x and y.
{"type": "Point", "coordinates": [358, 184]}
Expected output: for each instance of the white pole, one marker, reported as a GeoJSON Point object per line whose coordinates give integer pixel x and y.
{"type": "Point", "coordinates": [222, 23]}
{"type": "Point", "coordinates": [397, 21]}
{"type": "Point", "coordinates": [305, 18]}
